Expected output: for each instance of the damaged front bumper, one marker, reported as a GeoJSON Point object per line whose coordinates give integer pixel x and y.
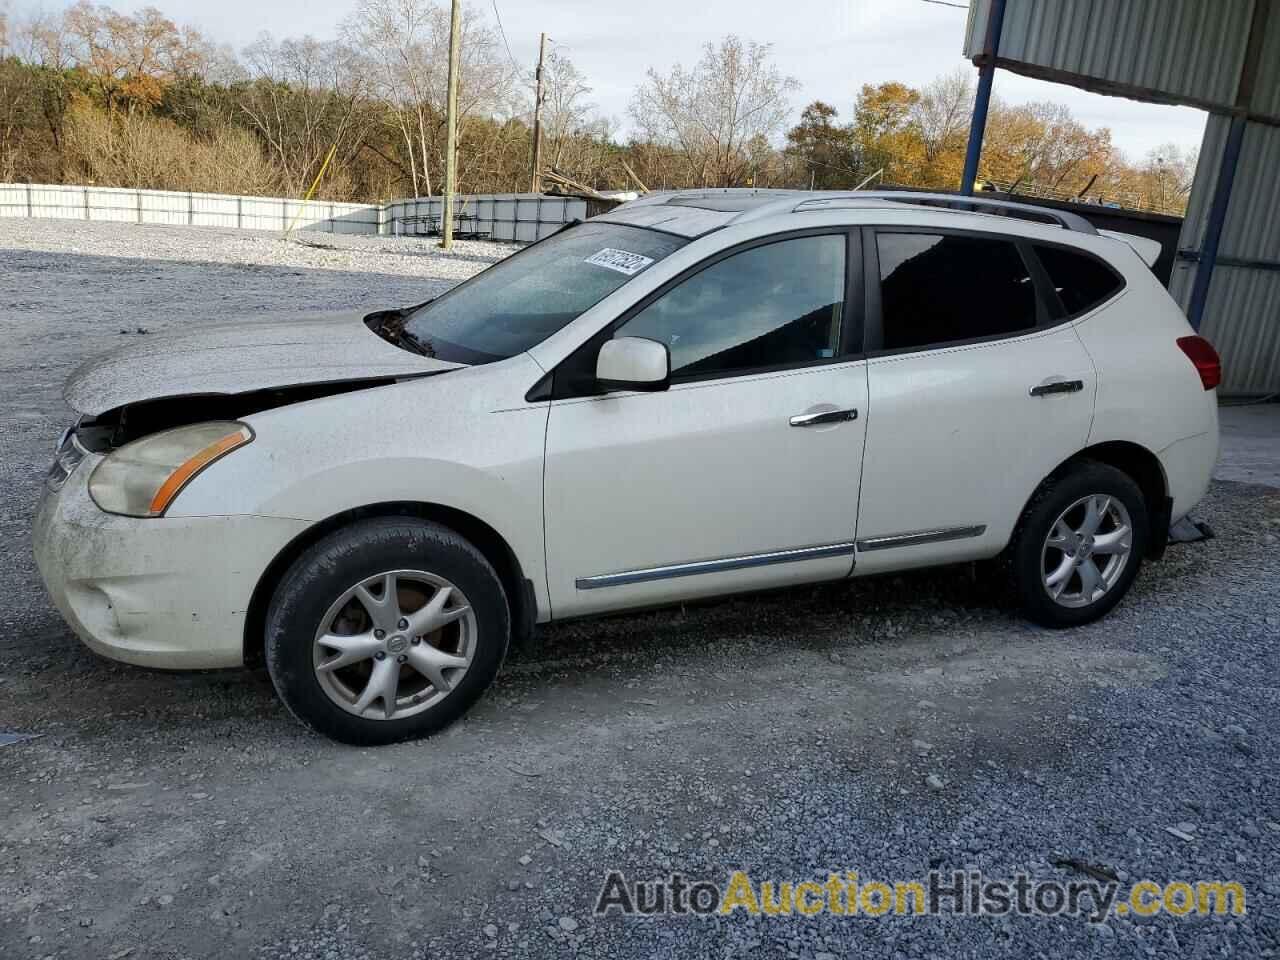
{"type": "Point", "coordinates": [161, 592]}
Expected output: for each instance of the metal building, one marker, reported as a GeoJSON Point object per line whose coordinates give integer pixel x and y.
{"type": "Point", "coordinates": [1222, 56]}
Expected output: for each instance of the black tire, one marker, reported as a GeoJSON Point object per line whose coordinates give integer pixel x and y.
{"type": "Point", "coordinates": [367, 548]}
{"type": "Point", "coordinates": [1027, 557]}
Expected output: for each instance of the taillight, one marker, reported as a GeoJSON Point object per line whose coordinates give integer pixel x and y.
{"type": "Point", "coordinates": [1204, 358]}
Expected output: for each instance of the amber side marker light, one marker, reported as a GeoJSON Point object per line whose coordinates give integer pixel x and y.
{"type": "Point", "coordinates": [180, 477]}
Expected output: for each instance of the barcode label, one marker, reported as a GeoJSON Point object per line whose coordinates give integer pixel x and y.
{"type": "Point", "coordinates": [619, 260]}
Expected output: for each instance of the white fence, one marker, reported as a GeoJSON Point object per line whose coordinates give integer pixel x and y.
{"type": "Point", "coordinates": [519, 217]}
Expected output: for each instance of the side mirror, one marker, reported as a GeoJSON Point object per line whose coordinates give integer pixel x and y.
{"type": "Point", "coordinates": [633, 363]}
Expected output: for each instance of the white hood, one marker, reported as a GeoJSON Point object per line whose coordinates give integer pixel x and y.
{"type": "Point", "coordinates": [241, 357]}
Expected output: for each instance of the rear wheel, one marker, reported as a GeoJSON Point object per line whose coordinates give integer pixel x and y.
{"type": "Point", "coordinates": [1079, 545]}
{"type": "Point", "coordinates": [386, 630]}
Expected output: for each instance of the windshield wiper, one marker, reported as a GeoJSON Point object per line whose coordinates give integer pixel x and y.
{"type": "Point", "coordinates": [390, 326]}
{"type": "Point", "coordinates": [421, 348]}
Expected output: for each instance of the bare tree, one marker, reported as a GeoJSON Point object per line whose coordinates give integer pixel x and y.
{"type": "Point", "coordinates": [566, 109]}
{"type": "Point", "coordinates": [304, 98]}
{"type": "Point", "coordinates": [394, 37]}
{"type": "Point", "coordinates": [406, 47]}
{"type": "Point", "coordinates": [713, 113]}
{"type": "Point", "coordinates": [42, 39]}
{"type": "Point", "coordinates": [942, 111]}
{"type": "Point", "coordinates": [1165, 178]}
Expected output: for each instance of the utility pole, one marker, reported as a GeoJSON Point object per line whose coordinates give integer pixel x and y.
{"type": "Point", "coordinates": [451, 141]}
{"type": "Point", "coordinates": [536, 173]}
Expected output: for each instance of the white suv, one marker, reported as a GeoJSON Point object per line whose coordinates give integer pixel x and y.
{"type": "Point", "coordinates": [696, 394]}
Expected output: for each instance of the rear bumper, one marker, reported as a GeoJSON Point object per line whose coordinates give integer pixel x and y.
{"type": "Point", "coordinates": [170, 593]}
{"type": "Point", "coordinates": [1188, 469]}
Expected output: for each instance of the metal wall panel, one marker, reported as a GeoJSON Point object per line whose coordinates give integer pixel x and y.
{"type": "Point", "coordinates": [214, 210]}
{"type": "Point", "coordinates": [1164, 50]}
{"type": "Point", "coordinates": [1242, 316]}
{"type": "Point", "coordinates": [112, 205]}
{"type": "Point", "coordinates": [164, 206]}
{"type": "Point", "coordinates": [1242, 320]}
{"type": "Point", "coordinates": [1266, 92]}
{"type": "Point", "coordinates": [63, 203]}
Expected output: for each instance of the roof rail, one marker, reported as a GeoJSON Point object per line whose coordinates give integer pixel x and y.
{"type": "Point", "coordinates": [948, 201]}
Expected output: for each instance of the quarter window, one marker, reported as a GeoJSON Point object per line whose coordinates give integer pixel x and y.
{"type": "Point", "coordinates": [1081, 281]}
{"type": "Point", "coordinates": [938, 288]}
{"type": "Point", "coordinates": [769, 306]}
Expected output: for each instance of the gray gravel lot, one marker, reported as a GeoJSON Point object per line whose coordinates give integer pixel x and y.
{"type": "Point", "coordinates": [789, 734]}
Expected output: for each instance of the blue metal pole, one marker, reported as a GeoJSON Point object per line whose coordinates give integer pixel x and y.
{"type": "Point", "coordinates": [977, 128]}
{"type": "Point", "coordinates": [982, 101]}
{"type": "Point", "coordinates": [1217, 217]}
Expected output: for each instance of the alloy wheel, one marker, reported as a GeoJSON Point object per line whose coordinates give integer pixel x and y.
{"type": "Point", "coordinates": [394, 644]}
{"type": "Point", "coordinates": [1087, 550]}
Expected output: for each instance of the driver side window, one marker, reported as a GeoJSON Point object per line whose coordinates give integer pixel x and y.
{"type": "Point", "coordinates": [769, 306]}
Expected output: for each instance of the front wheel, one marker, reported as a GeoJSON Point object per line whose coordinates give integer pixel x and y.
{"type": "Point", "coordinates": [386, 630]}
{"type": "Point", "coordinates": [1079, 545]}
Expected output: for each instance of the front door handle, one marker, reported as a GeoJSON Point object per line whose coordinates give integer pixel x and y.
{"type": "Point", "coordinates": [826, 416]}
{"type": "Point", "coordinates": [1057, 386]}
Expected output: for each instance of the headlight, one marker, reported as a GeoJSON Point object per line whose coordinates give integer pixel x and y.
{"type": "Point", "coordinates": [142, 478]}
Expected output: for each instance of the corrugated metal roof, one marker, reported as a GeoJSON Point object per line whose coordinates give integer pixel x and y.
{"type": "Point", "coordinates": [1165, 50]}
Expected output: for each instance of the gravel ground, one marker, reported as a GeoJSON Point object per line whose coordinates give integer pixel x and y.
{"type": "Point", "coordinates": [888, 726]}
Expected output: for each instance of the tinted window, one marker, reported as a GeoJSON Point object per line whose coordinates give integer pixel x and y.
{"type": "Point", "coordinates": [1081, 281]}
{"type": "Point", "coordinates": [768, 306]}
{"type": "Point", "coordinates": [936, 288]}
{"type": "Point", "coordinates": [522, 300]}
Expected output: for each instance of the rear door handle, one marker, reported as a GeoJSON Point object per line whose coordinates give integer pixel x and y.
{"type": "Point", "coordinates": [1057, 386]}
{"type": "Point", "coordinates": [827, 416]}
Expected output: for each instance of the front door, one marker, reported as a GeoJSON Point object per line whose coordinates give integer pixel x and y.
{"type": "Point", "coordinates": [744, 473]}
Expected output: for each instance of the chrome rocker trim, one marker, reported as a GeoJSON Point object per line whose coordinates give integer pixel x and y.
{"type": "Point", "coordinates": [714, 566]}
{"type": "Point", "coordinates": [922, 536]}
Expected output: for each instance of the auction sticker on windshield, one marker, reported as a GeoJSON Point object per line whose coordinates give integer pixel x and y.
{"type": "Point", "coordinates": [619, 260]}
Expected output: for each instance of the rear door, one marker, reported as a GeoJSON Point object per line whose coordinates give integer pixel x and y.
{"type": "Point", "coordinates": [978, 389]}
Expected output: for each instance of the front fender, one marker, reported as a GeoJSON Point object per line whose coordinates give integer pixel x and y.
{"type": "Point", "coordinates": [466, 440]}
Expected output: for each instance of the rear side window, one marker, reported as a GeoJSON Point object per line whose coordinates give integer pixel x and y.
{"type": "Point", "coordinates": [1081, 281]}
{"type": "Point", "coordinates": [940, 288]}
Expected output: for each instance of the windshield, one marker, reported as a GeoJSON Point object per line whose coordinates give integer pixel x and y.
{"type": "Point", "coordinates": [522, 300]}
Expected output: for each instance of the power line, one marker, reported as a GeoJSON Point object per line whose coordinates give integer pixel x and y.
{"type": "Point", "coordinates": [943, 3]}
{"type": "Point", "coordinates": [503, 34]}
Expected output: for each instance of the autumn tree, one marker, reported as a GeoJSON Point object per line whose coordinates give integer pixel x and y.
{"type": "Point", "coordinates": [883, 132]}
{"type": "Point", "coordinates": [131, 57]}
{"type": "Point", "coordinates": [824, 148]}
{"type": "Point", "coordinates": [1039, 149]}
{"type": "Point", "coordinates": [710, 114]}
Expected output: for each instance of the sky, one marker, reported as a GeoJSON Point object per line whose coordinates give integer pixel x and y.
{"type": "Point", "coordinates": [831, 46]}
